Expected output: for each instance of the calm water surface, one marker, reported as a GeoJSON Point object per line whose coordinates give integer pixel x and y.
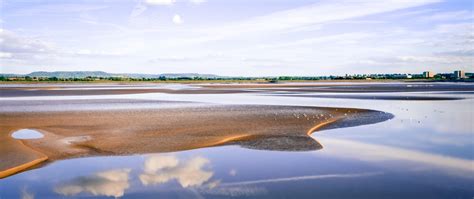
{"type": "Point", "coordinates": [426, 151]}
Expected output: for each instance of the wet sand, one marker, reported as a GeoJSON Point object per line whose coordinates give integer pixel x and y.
{"type": "Point", "coordinates": [29, 92]}
{"type": "Point", "coordinates": [72, 134]}
{"type": "Point", "coordinates": [353, 87]}
{"type": "Point", "coordinates": [117, 89]}
{"type": "Point", "coordinates": [379, 97]}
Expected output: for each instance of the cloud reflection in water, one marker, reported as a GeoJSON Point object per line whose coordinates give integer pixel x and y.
{"type": "Point", "coordinates": [25, 194]}
{"type": "Point", "coordinates": [378, 153]}
{"type": "Point", "coordinates": [160, 169]}
{"type": "Point", "coordinates": [106, 183]}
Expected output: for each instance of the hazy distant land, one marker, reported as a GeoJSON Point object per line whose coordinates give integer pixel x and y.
{"type": "Point", "coordinates": [104, 77]}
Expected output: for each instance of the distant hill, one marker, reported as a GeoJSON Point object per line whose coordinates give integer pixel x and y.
{"type": "Point", "coordinates": [10, 75]}
{"type": "Point", "coordinates": [83, 74]}
{"type": "Point", "coordinates": [70, 74]}
{"type": "Point", "coordinates": [168, 75]}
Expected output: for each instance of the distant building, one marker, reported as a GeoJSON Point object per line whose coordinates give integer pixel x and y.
{"type": "Point", "coordinates": [401, 76]}
{"type": "Point", "coordinates": [459, 74]}
{"type": "Point", "coordinates": [428, 74]}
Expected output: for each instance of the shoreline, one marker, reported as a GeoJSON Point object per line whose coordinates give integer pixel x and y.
{"type": "Point", "coordinates": [26, 165]}
{"type": "Point", "coordinates": [21, 168]}
{"type": "Point", "coordinates": [124, 82]}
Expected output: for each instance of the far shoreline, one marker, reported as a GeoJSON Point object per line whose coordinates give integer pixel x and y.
{"type": "Point", "coordinates": [126, 82]}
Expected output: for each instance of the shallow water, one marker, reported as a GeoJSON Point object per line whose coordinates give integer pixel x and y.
{"type": "Point", "coordinates": [426, 151]}
{"type": "Point", "coordinates": [26, 134]}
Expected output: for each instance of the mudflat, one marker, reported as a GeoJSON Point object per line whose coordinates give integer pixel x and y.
{"type": "Point", "coordinates": [118, 89]}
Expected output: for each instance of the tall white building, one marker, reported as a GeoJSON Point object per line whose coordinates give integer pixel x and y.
{"type": "Point", "coordinates": [459, 74]}
{"type": "Point", "coordinates": [428, 74]}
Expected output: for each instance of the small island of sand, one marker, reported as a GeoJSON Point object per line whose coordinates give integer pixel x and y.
{"type": "Point", "coordinates": [72, 134]}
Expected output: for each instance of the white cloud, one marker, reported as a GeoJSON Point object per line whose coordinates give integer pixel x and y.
{"type": "Point", "coordinates": [177, 19]}
{"type": "Point", "coordinates": [57, 9]}
{"type": "Point", "coordinates": [321, 12]}
{"type": "Point", "coordinates": [344, 38]}
{"type": "Point", "coordinates": [452, 28]}
{"type": "Point", "coordinates": [444, 16]}
{"type": "Point", "coordinates": [160, 2]}
{"type": "Point", "coordinates": [87, 52]}
{"type": "Point", "coordinates": [22, 50]}
{"type": "Point", "coordinates": [138, 10]}
{"type": "Point", "coordinates": [173, 59]}
{"type": "Point", "coordinates": [5, 55]}
{"type": "Point", "coordinates": [197, 1]}
{"type": "Point", "coordinates": [162, 169]}
{"type": "Point", "coordinates": [434, 59]}
{"type": "Point", "coordinates": [142, 6]}
{"type": "Point", "coordinates": [14, 43]}
{"type": "Point", "coordinates": [411, 13]}
{"type": "Point", "coordinates": [107, 183]}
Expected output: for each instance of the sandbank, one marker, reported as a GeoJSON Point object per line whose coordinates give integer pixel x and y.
{"type": "Point", "coordinates": [72, 134]}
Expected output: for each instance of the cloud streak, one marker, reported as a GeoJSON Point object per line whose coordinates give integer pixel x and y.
{"type": "Point", "coordinates": [160, 2]}
{"type": "Point", "coordinates": [318, 13]}
{"type": "Point", "coordinates": [300, 178]}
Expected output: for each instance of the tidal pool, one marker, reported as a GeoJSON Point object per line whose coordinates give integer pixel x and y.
{"type": "Point", "coordinates": [26, 134]}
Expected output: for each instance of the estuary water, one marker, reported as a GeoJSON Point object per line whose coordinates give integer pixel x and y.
{"type": "Point", "coordinates": [425, 151]}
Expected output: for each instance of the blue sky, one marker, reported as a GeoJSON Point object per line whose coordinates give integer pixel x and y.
{"type": "Point", "coordinates": [237, 37]}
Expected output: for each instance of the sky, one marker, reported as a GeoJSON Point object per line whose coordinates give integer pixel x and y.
{"type": "Point", "coordinates": [237, 37]}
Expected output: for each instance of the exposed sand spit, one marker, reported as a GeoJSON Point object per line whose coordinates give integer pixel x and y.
{"type": "Point", "coordinates": [15, 156]}
{"type": "Point", "coordinates": [70, 134]}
